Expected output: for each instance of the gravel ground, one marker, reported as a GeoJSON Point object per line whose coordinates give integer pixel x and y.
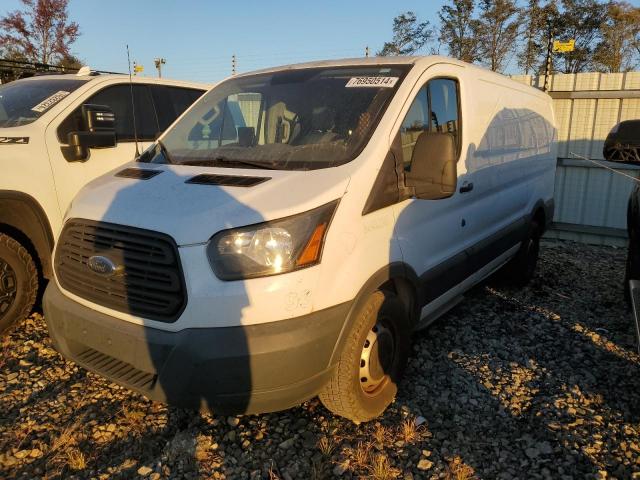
{"type": "Point", "coordinates": [539, 382]}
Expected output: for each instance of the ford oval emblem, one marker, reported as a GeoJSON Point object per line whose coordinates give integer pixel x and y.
{"type": "Point", "coordinates": [103, 266]}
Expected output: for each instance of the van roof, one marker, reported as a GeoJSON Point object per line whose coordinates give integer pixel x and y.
{"type": "Point", "coordinates": [109, 76]}
{"type": "Point", "coordinates": [422, 61]}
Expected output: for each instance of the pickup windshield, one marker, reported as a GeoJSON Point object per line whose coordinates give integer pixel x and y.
{"type": "Point", "coordinates": [292, 119]}
{"type": "Point", "coordinates": [23, 101]}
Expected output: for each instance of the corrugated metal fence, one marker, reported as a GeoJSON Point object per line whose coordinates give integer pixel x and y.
{"type": "Point", "coordinates": [591, 202]}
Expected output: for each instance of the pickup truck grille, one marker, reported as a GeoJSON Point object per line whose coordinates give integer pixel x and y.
{"type": "Point", "coordinates": [147, 280]}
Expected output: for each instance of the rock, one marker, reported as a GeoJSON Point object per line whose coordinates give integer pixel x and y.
{"type": "Point", "coordinates": [233, 421]}
{"type": "Point", "coordinates": [35, 453]}
{"type": "Point", "coordinates": [419, 421]}
{"type": "Point", "coordinates": [287, 444]}
{"type": "Point", "coordinates": [424, 464]}
{"type": "Point", "coordinates": [341, 468]}
{"type": "Point", "coordinates": [22, 454]}
{"type": "Point", "coordinates": [532, 452]}
{"type": "Point", "coordinates": [144, 471]}
{"type": "Point", "coordinates": [155, 476]}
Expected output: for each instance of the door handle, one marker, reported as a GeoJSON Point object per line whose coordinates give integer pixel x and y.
{"type": "Point", "coordinates": [466, 187]}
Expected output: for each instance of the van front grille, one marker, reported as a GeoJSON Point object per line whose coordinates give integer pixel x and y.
{"type": "Point", "coordinates": [127, 269]}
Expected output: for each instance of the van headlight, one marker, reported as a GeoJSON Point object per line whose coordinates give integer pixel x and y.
{"type": "Point", "coordinates": [270, 248]}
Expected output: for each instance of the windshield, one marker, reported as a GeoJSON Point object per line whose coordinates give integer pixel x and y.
{"type": "Point", "coordinates": [24, 101]}
{"type": "Point", "coordinates": [293, 119]}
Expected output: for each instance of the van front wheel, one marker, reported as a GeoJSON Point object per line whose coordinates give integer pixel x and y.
{"type": "Point", "coordinates": [372, 361]}
{"type": "Point", "coordinates": [18, 282]}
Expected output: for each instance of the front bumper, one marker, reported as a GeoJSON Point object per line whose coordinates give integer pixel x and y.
{"type": "Point", "coordinates": [230, 370]}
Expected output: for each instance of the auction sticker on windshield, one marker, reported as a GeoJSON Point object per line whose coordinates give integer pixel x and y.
{"type": "Point", "coordinates": [47, 103]}
{"type": "Point", "coordinates": [385, 82]}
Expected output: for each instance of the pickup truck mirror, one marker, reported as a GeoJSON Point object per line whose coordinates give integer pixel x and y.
{"type": "Point", "coordinates": [623, 143]}
{"type": "Point", "coordinates": [433, 173]}
{"type": "Point", "coordinates": [99, 131]}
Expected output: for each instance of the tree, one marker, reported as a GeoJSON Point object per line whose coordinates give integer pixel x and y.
{"type": "Point", "coordinates": [618, 48]}
{"type": "Point", "coordinates": [70, 62]}
{"type": "Point", "coordinates": [41, 32]}
{"type": "Point", "coordinates": [457, 28]}
{"type": "Point", "coordinates": [496, 32]}
{"type": "Point", "coordinates": [409, 35]}
{"type": "Point", "coordinates": [579, 20]}
{"type": "Point", "coordinates": [534, 22]}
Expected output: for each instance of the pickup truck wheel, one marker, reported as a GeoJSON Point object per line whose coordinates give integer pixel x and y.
{"type": "Point", "coordinates": [18, 282]}
{"type": "Point", "coordinates": [522, 267]}
{"type": "Point", "coordinates": [372, 362]}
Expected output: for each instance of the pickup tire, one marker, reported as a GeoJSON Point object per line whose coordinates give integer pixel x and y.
{"type": "Point", "coordinates": [18, 282]}
{"type": "Point", "coordinates": [372, 361]}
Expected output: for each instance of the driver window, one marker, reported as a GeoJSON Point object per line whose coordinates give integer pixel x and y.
{"type": "Point", "coordinates": [435, 109]}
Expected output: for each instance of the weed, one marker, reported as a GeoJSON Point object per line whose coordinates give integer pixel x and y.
{"type": "Point", "coordinates": [75, 459]}
{"type": "Point", "coordinates": [381, 469]}
{"type": "Point", "coordinates": [409, 431]}
{"type": "Point", "coordinates": [458, 470]}
{"type": "Point", "coordinates": [326, 446]}
{"type": "Point", "coordinates": [381, 433]}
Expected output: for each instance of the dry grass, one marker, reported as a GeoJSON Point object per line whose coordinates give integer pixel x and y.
{"type": "Point", "coordinates": [381, 469]}
{"type": "Point", "coordinates": [458, 470]}
{"type": "Point", "coordinates": [361, 455]}
{"type": "Point", "coordinates": [66, 439]}
{"type": "Point", "coordinates": [326, 446]}
{"type": "Point", "coordinates": [409, 432]}
{"type": "Point", "coordinates": [272, 473]}
{"type": "Point", "coordinates": [75, 459]}
{"type": "Point", "coordinates": [134, 419]}
{"type": "Point", "coordinates": [380, 433]}
{"type": "Point", "coordinates": [64, 452]}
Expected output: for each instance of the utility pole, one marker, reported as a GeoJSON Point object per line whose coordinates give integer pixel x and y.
{"type": "Point", "coordinates": [159, 62]}
{"type": "Point", "coordinates": [233, 64]}
{"type": "Point", "coordinates": [549, 61]}
{"type": "Point", "coordinates": [366, 51]}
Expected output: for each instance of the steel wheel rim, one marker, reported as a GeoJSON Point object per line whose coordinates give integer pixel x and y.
{"type": "Point", "coordinates": [376, 358]}
{"type": "Point", "coordinates": [8, 287]}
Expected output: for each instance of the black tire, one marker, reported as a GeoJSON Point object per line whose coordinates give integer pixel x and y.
{"type": "Point", "coordinates": [521, 269]}
{"type": "Point", "coordinates": [18, 282]}
{"type": "Point", "coordinates": [632, 271]}
{"type": "Point", "coordinates": [346, 394]}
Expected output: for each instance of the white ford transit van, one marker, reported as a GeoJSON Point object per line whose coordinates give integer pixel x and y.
{"type": "Point", "coordinates": [57, 132]}
{"type": "Point", "coordinates": [289, 232]}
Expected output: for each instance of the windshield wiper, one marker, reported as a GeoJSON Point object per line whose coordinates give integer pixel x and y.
{"type": "Point", "coordinates": [221, 159]}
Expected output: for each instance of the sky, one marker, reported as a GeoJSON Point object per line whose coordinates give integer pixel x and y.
{"type": "Point", "coordinates": [198, 38]}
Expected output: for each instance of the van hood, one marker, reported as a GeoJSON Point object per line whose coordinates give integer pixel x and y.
{"type": "Point", "coordinates": [192, 213]}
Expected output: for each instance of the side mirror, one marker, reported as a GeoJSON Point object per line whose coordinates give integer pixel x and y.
{"type": "Point", "coordinates": [623, 143]}
{"type": "Point", "coordinates": [99, 131]}
{"type": "Point", "coordinates": [433, 173]}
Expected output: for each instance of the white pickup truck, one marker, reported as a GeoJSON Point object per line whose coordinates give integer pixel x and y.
{"type": "Point", "coordinates": [57, 132]}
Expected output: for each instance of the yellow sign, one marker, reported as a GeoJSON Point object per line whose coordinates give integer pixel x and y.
{"type": "Point", "coordinates": [138, 68]}
{"type": "Point", "coordinates": [562, 47]}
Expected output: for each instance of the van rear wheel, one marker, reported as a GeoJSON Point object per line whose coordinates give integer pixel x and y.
{"type": "Point", "coordinates": [372, 361]}
{"type": "Point", "coordinates": [18, 282]}
{"type": "Point", "coordinates": [521, 269]}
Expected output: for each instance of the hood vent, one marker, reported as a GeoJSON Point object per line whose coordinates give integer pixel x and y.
{"type": "Point", "coordinates": [227, 180]}
{"type": "Point", "coordinates": [138, 173]}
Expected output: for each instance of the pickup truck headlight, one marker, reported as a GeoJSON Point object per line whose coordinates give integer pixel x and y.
{"type": "Point", "coordinates": [270, 248]}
